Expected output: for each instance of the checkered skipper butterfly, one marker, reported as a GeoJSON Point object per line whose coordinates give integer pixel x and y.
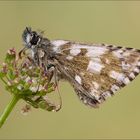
{"type": "Point", "coordinates": [96, 71]}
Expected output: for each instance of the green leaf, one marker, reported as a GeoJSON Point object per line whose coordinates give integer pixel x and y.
{"type": "Point", "coordinates": [11, 74]}
{"type": "Point", "coordinates": [2, 74]}
{"type": "Point", "coordinates": [46, 106]}
{"type": "Point", "coordinates": [9, 59]}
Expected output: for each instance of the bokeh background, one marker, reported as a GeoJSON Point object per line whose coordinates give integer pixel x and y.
{"type": "Point", "coordinates": [111, 22]}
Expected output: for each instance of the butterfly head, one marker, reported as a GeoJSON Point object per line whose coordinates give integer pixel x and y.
{"type": "Point", "coordinates": [30, 38]}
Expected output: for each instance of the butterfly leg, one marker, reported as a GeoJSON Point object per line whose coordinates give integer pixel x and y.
{"type": "Point", "coordinates": [56, 83]}
{"type": "Point", "coordinates": [54, 72]}
{"type": "Point", "coordinates": [35, 56]}
{"type": "Point", "coordinates": [22, 52]}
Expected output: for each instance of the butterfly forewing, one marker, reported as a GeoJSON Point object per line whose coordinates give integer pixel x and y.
{"type": "Point", "coordinates": [96, 71]}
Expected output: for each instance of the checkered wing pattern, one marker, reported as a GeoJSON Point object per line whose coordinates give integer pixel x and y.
{"type": "Point", "coordinates": [96, 71]}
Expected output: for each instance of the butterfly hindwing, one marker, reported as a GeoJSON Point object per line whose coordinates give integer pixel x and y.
{"type": "Point", "coordinates": [96, 71]}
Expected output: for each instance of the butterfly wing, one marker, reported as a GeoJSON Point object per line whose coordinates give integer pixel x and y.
{"type": "Point", "coordinates": [96, 71]}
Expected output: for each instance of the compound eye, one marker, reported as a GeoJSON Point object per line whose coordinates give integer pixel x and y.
{"type": "Point", "coordinates": [35, 39]}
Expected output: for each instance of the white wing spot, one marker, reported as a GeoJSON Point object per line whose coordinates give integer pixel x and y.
{"type": "Point", "coordinates": [96, 59]}
{"type": "Point", "coordinates": [96, 85]}
{"type": "Point", "coordinates": [82, 73]}
{"type": "Point", "coordinates": [125, 66]}
{"type": "Point", "coordinates": [92, 50]}
{"type": "Point", "coordinates": [107, 61]}
{"type": "Point", "coordinates": [94, 67]}
{"type": "Point", "coordinates": [132, 75]}
{"type": "Point", "coordinates": [116, 75]}
{"type": "Point", "coordinates": [118, 53]}
{"type": "Point", "coordinates": [95, 51]}
{"type": "Point", "coordinates": [126, 54]}
{"type": "Point", "coordinates": [114, 88]}
{"type": "Point", "coordinates": [106, 94]}
{"type": "Point", "coordinates": [69, 57]}
{"type": "Point", "coordinates": [65, 68]}
{"type": "Point", "coordinates": [78, 79]}
{"type": "Point", "coordinates": [137, 70]}
{"type": "Point", "coordinates": [126, 80]}
{"type": "Point", "coordinates": [57, 44]}
{"type": "Point", "coordinates": [75, 51]}
{"type": "Point", "coordinates": [139, 63]}
{"type": "Point", "coordinates": [94, 93]}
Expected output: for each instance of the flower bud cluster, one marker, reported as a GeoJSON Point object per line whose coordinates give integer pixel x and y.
{"type": "Point", "coordinates": [30, 82]}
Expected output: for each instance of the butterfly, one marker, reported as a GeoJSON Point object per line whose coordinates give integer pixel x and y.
{"type": "Point", "coordinates": [96, 71]}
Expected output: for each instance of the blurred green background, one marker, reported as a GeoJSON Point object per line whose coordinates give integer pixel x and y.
{"type": "Point", "coordinates": [111, 22]}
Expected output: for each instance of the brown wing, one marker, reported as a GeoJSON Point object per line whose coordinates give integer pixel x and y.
{"type": "Point", "coordinates": [96, 71]}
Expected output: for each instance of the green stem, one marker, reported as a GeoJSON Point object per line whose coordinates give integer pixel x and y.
{"type": "Point", "coordinates": [4, 81]}
{"type": "Point", "coordinates": [8, 109]}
